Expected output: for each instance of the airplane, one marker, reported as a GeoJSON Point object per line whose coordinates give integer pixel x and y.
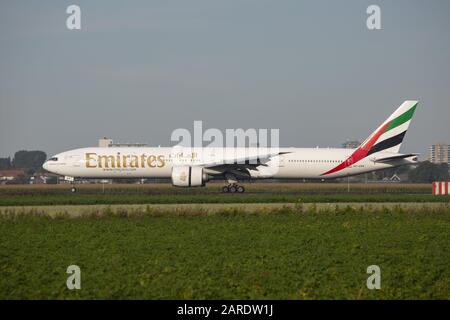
{"type": "Point", "coordinates": [193, 167]}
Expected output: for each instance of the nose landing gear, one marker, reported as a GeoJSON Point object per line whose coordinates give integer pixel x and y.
{"type": "Point", "coordinates": [72, 183]}
{"type": "Point", "coordinates": [233, 188]}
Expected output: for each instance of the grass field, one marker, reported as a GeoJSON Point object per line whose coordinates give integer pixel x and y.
{"type": "Point", "coordinates": [256, 193]}
{"type": "Point", "coordinates": [285, 253]}
{"type": "Point", "coordinates": [276, 241]}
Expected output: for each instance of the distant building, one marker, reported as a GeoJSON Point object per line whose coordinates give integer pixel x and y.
{"type": "Point", "coordinates": [38, 179]}
{"type": "Point", "coordinates": [47, 178]}
{"type": "Point", "coordinates": [9, 175]}
{"type": "Point", "coordinates": [440, 153]}
{"type": "Point", "coordinates": [105, 142]}
{"type": "Point", "coordinates": [128, 144]}
{"type": "Point", "coordinates": [351, 144]}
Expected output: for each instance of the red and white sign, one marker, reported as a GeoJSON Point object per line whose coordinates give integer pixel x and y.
{"type": "Point", "coordinates": [441, 187]}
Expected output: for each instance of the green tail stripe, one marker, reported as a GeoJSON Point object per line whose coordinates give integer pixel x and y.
{"type": "Point", "coordinates": [401, 119]}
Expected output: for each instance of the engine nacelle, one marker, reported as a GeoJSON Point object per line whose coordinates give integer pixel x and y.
{"type": "Point", "coordinates": [187, 176]}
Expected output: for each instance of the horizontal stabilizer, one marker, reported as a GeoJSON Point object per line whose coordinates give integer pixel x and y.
{"type": "Point", "coordinates": [394, 158]}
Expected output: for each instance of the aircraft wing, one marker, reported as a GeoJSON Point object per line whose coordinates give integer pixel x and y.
{"type": "Point", "coordinates": [240, 166]}
{"type": "Point", "coordinates": [242, 161]}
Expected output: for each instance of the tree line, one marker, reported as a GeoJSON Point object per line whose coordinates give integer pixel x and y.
{"type": "Point", "coordinates": [29, 161]}
{"type": "Point", "coordinates": [429, 172]}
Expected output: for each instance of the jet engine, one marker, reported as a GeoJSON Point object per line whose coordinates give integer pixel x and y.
{"type": "Point", "coordinates": [187, 176]}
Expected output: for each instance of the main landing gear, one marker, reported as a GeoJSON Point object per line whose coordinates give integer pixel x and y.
{"type": "Point", "coordinates": [233, 188]}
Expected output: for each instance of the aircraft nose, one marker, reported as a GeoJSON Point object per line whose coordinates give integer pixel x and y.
{"type": "Point", "coordinates": [45, 165]}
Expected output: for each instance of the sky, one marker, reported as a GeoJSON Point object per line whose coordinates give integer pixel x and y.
{"type": "Point", "coordinates": [137, 70]}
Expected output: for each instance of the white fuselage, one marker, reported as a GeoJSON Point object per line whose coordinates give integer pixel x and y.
{"type": "Point", "coordinates": [146, 162]}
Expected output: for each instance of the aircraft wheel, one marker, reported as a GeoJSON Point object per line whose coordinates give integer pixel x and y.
{"type": "Point", "coordinates": [225, 189]}
{"type": "Point", "coordinates": [233, 189]}
{"type": "Point", "coordinates": [240, 189]}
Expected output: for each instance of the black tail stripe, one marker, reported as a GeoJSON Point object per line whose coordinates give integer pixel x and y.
{"type": "Point", "coordinates": [388, 143]}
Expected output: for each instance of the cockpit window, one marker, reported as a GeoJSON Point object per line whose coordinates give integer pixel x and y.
{"type": "Point", "coordinates": [53, 159]}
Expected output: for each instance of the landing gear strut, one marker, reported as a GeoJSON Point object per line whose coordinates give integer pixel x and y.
{"type": "Point", "coordinates": [233, 188]}
{"type": "Point", "coordinates": [72, 183]}
{"type": "Point", "coordinates": [72, 188]}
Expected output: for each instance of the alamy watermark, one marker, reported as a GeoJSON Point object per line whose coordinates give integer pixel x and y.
{"type": "Point", "coordinates": [373, 21]}
{"type": "Point", "coordinates": [73, 21]}
{"type": "Point", "coordinates": [74, 280]}
{"type": "Point", "coordinates": [233, 146]}
{"type": "Point", "coordinates": [374, 280]}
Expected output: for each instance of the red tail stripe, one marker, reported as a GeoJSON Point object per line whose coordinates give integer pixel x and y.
{"type": "Point", "coordinates": [361, 152]}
